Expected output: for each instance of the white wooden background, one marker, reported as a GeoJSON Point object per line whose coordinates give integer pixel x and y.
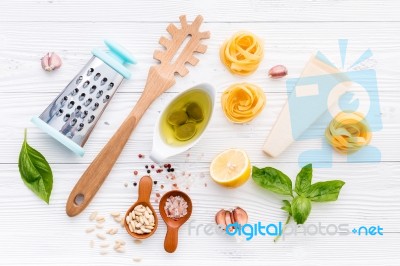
{"type": "Point", "coordinates": [32, 233]}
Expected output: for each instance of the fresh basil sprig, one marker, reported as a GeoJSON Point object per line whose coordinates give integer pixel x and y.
{"type": "Point", "coordinates": [300, 206]}
{"type": "Point", "coordinates": [35, 171]}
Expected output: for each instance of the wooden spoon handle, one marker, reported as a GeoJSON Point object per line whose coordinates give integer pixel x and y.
{"type": "Point", "coordinates": [98, 170]}
{"type": "Point", "coordinates": [171, 239]}
{"type": "Point", "coordinates": [145, 187]}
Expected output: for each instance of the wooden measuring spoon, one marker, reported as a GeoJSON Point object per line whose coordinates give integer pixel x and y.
{"type": "Point", "coordinates": [160, 78]}
{"type": "Point", "coordinates": [171, 238]}
{"type": "Point", "coordinates": [145, 187]}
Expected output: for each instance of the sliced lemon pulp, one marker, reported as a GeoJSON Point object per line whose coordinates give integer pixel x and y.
{"type": "Point", "coordinates": [231, 168]}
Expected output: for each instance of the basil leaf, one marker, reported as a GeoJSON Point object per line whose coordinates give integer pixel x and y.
{"type": "Point", "coordinates": [303, 180]}
{"type": "Point", "coordinates": [287, 207]}
{"type": "Point", "coordinates": [325, 191]}
{"type": "Point", "coordinates": [301, 208]}
{"type": "Point", "coordinates": [35, 171]}
{"type": "Point", "coordinates": [273, 180]}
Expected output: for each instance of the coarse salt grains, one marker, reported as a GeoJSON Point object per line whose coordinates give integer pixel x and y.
{"type": "Point", "coordinates": [141, 220]}
{"type": "Point", "coordinates": [175, 207]}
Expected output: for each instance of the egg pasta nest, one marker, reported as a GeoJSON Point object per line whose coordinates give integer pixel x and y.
{"type": "Point", "coordinates": [242, 53]}
{"type": "Point", "coordinates": [348, 132]}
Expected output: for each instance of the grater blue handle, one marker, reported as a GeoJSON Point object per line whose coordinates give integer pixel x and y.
{"type": "Point", "coordinates": [117, 57]}
{"type": "Point", "coordinates": [58, 136]}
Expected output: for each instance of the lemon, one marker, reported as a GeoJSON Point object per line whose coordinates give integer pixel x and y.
{"type": "Point", "coordinates": [231, 168]}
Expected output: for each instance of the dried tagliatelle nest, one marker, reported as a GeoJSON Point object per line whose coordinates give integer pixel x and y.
{"type": "Point", "coordinates": [242, 53]}
{"type": "Point", "coordinates": [348, 132]}
{"type": "Point", "coordinates": [242, 102]}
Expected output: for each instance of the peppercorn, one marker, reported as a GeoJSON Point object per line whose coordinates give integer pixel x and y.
{"type": "Point", "coordinates": [152, 166]}
{"type": "Point", "coordinates": [134, 184]}
{"type": "Point", "coordinates": [172, 169]}
{"type": "Point", "coordinates": [135, 172]}
{"type": "Point", "coordinates": [146, 166]}
{"type": "Point", "coordinates": [155, 182]}
{"type": "Point", "coordinates": [148, 171]}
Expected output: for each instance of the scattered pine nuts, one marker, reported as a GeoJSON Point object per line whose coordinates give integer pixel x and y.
{"type": "Point", "coordinates": [89, 230]}
{"type": "Point", "coordinates": [140, 220]}
{"type": "Point", "coordinates": [120, 249]}
{"type": "Point", "coordinates": [93, 216]}
{"type": "Point", "coordinates": [120, 241]}
{"type": "Point", "coordinates": [91, 243]}
{"type": "Point", "coordinates": [101, 236]}
{"type": "Point", "coordinates": [137, 259]}
{"type": "Point", "coordinates": [112, 231]}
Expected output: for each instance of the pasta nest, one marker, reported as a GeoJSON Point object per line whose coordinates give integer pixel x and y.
{"type": "Point", "coordinates": [348, 132]}
{"type": "Point", "coordinates": [242, 102]}
{"type": "Point", "coordinates": [242, 53]}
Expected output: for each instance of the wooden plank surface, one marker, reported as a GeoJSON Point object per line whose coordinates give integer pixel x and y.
{"type": "Point", "coordinates": [32, 233]}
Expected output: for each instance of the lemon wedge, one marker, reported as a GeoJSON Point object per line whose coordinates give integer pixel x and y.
{"type": "Point", "coordinates": [231, 168]}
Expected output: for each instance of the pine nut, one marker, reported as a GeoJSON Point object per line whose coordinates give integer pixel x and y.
{"type": "Point", "coordinates": [112, 231]}
{"type": "Point", "coordinates": [101, 236]}
{"type": "Point", "coordinates": [115, 214]}
{"type": "Point", "coordinates": [93, 216]}
{"type": "Point", "coordinates": [120, 241]}
{"type": "Point", "coordinates": [151, 219]}
{"type": "Point", "coordinates": [120, 249]}
{"type": "Point", "coordinates": [100, 219]}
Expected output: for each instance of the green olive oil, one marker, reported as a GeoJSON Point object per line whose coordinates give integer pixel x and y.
{"type": "Point", "coordinates": [186, 117]}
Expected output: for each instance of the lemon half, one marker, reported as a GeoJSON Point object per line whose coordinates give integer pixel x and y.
{"type": "Point", "coordinates": [231, 168]}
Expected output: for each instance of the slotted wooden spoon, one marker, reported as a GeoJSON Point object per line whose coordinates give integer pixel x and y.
{"type": "Point", "coordinates": [160, 78]}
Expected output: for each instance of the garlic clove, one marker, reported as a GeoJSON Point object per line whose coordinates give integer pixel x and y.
{"type": "Point", "coordinates": [240, 215]}
{"type": "Point", "coordinates": [51, 61]}
{"type": "Point", "coordinates": [220, 219]}
{"type": "Point", "coordinates": [228, 219]}
{"type": "Point", "coordinates": [278, 71]}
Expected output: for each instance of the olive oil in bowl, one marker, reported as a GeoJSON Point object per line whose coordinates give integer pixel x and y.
{"type": "Point", "coordinates": [183, 121]}
{"type": "Point", "coordinates": [186, 117]}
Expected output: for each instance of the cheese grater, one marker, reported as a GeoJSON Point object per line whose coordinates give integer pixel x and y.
{"type": "Point", "coordinates": [73, 114]}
